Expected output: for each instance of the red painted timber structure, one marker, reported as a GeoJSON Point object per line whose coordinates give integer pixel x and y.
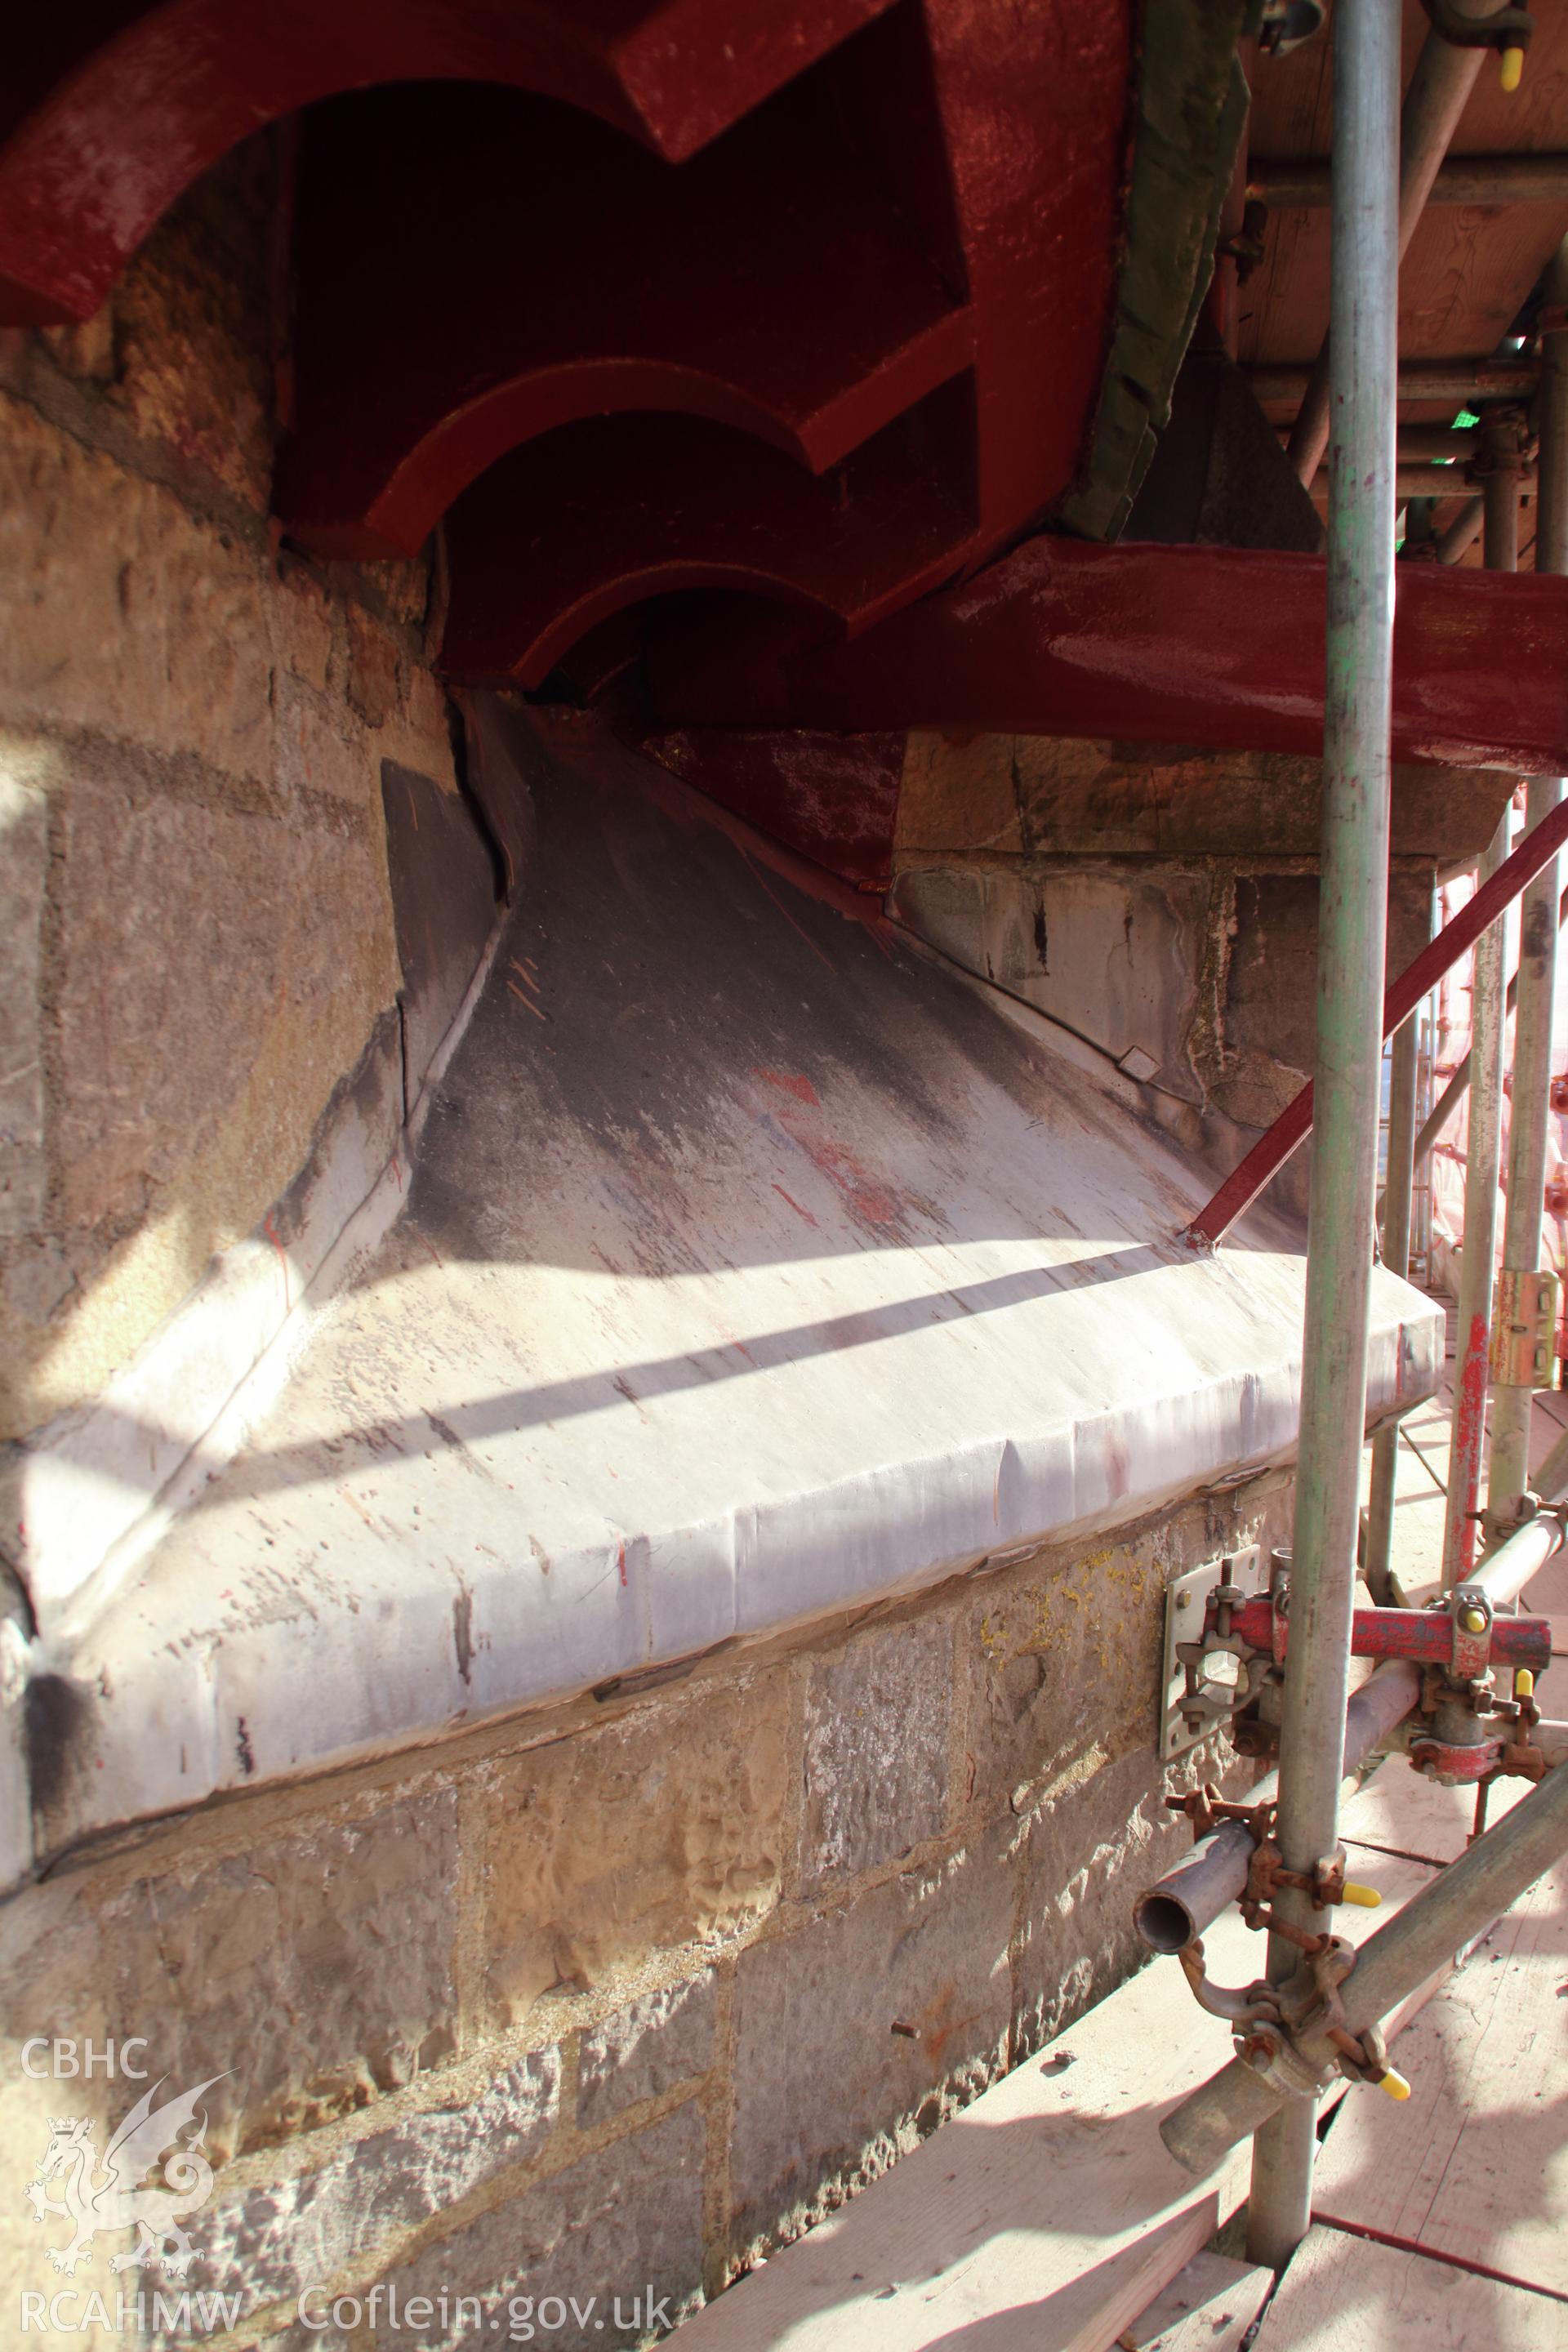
{"type": "Point", "coordinates": [757, 323]}
{"type": "Point", "coordinates": [119, 107]}
{"type": "Point", "coordinates": [1184, 644]}
{"type": "Point", "coordinates": [807, 300]}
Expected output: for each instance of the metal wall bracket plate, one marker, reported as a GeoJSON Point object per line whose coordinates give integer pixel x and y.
{"type": "Point", "coordinates": [1524, 1328]}
{"type": "Point", "coordinates": [1186, 1599]}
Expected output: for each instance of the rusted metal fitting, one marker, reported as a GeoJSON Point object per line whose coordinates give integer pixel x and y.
{"type": "Point", "coordinates": [1521, 1759]}
{"type": "Point", "coordinates": [1269, 2051]}
{"type": "Point", "coordinates": [1363, 2058]}
{"type": "Point", "coordinates": [1205, 1809]}
{"type": "Point", "coordinates": [1326, 1883]}
{"type": "Point", "coordinates": [1268, 2019]}
{"type": "Point", "coordinates": [1455, 1762]}
{"type": "Point", "coordinates": [1240, 2005]}
{"type": "Point", "coordinates": [1323, 1885]}
{"type": "Point", "coordinates": [1269, 2045]}
{"type": "Point", "coordinates": [1504, 28]}
{"type": "Point", "coordinates": [1251, 1736]}
{"type": "Point", "coordinates": [1502, 447]}
{"type": "Point", "coordinates": [1470, 1615]}
{"type": "Point", "coordinates": [1524, 1324]}
{"type": "Point", "coordinates": [1250, 1626]}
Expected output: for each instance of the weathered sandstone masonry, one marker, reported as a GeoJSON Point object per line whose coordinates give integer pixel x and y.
{"type": "Point", "coordinates": [529, 1792]}
{"type": "Point", "coordinates": [196, 933]}
{"type": "Point", "coordinates": [621, 1994]}
{"type": "Point", "coordinates": [1161, 903]}
{"type": "Point", "coordinates": [218, 1039]}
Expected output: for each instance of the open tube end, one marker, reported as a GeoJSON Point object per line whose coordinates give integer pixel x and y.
{"type": "Point", "coordinates": [1164, 1924]}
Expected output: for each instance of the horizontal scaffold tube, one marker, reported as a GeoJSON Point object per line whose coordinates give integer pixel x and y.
{"type": "Point", "coordinates": [1505, 1572]}
{"type": "Point", "coordinates": [1455, 379]}
{"type": "Point", "coordinates": [1190, 1898]}
{"type": "Point", "coordinates": [1391, 1966]}
{"type": "Point", "coordinates": [1461, 180]}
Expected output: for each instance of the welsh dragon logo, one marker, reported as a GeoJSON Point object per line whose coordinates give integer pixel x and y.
{"type": "Point", "coordinates": [114, 2193]}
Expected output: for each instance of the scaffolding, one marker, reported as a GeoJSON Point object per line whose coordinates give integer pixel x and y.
{"type": "Point", "coordinates": [1454, 1687]}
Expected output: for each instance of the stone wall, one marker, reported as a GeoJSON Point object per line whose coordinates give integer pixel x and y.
{"type": "Point", "coordinates": [1160, 903]}
{"type": "Point", "coordinates": [602, 2002]}
{"type": "Point", "coordinates": [625, 1993]}
{"type": "Point", "coordinates": [196, 936]}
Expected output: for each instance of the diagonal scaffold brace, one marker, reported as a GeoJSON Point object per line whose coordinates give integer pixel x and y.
{"type": "Point", "coordinates": [1394, 1964]}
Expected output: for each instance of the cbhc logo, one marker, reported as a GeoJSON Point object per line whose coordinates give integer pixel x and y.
{"type": "Point", "coordinates": [65, 2058]}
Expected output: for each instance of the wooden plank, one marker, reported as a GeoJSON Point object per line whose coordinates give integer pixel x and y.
{"type": "Point", "coordinates": [1474, 2166]}
{"type": "Point", "coordinates": [1399, 1811]}
{"type": "Point", "coordinates": [1344, 2294]}
{"type": "Point", "coordinates": [1048, 2215]}
{"type": "Point", "coordinates": [1208, 2307]}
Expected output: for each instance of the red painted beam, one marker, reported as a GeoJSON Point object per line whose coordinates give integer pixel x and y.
{"type": "Point", "coordinates": [1034, 104]}
{"type": "Point", "coordinates": [111, 129]}
{"type": "Point", "coordinates": [1424, 1635]}
{"type": "Point", "coordinates": [1455, 938]}
{"type": "Point", "coordinates": [1206, 646]}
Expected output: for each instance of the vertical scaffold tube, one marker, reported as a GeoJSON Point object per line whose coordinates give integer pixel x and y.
{"type": "Point", "coordinates": [1397, 1256]}
{"type": "Point", "coordinates": [1529, 1113]}
{"type": "Point", "coordinates": [1473, 1318]}
{"type": "Point", "coordinates": [1500, 454]}
{"type": "Point", "coordinates": [1351, 927]}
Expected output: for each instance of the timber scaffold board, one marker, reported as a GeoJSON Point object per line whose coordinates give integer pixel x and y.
{"type": "Point", "coordinates": [1049, 2218]}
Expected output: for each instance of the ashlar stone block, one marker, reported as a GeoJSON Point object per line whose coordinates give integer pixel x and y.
{"type": "Point", "coordinates": [587, 2258]}
{"type": "Point", "coordinates": [311, 1973]}
{"type": "Point", "coordinates": [322, 2226]}
{"type": "Point", "coordinates": [659, 2040]}
{"type": "Point", "coordinates": [854, 2034]}
{"type": "Point", "coordinates": [876, 1748]}
{"type": "Point", "coordinates": [663, 1829]}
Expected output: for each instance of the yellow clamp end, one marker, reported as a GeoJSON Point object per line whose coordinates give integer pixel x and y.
{"type": "Point", "coordinates": [1366, 1898]}
{"type": "Point", "coordinates": [1395, 2083]}
{"type": "Point", "coordinates": [1474, 1621]}
{"type": "Point", "coordinates": [1523, 1683]}
{"type": "Point", "coordinates": [1512, 69]}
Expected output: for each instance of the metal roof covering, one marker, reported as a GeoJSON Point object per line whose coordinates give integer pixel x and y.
{"type": "Point", "coordinates": [758, 1263]}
